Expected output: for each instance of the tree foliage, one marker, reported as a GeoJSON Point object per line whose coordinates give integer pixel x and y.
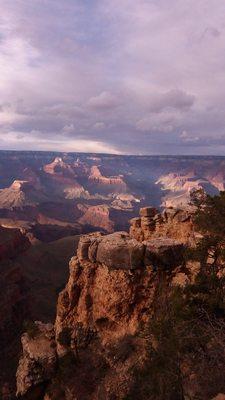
{"type": "Point", "coordinates": [209, 219]}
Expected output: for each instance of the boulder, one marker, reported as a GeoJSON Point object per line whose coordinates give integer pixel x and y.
{"type": "Point", "coordinates": [164, 252]}
{"type": "Point", "coordinates": [84, 244]}
{"type": "Point", "coordinates": [120, 251]}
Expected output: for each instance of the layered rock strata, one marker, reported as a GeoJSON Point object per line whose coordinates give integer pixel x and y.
{"type": "Point", "coordinates": [101, 316]}
{"type": "Point", "coordinates": [171, 223]}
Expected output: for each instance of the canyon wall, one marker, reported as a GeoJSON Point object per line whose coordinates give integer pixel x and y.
{"type": "Point", "coordinates": [171, 223]}
{"type": "Point", "coordinates": [126, 324]}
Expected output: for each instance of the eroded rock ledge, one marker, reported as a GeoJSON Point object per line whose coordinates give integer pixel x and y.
{"type": "Point", "coordinates": [171, 223]}
{"type": "Point", "coordinates": [97, 342]}
{"type": "Point", "coordinates": [120, 251]}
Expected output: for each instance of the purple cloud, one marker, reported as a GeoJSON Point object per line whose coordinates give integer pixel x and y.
{"type": "Point", "coordinates": [127, 76]}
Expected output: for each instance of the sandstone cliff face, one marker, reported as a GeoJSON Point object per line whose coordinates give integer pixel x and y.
{"type": "Point", "coordinates": [98, 217]}
{"type": "Point", "coordinates": [110, 184]}
{"type": "Point", "coordinates": [103, 217]}
{"type": "Point", "coordinates": [101, 316]}
{"type": "Point", "coordinates": [172, 223]}
{"type": "Point", "coordinates": [124, 329]}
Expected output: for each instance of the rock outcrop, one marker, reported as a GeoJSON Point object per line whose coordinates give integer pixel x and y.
{"type": "Point", "coordinates": [21, 194]}
{"type": "Point", "coordinates": [39, 356]}
{"type": "Point", "coordinates": [180, 186]}
{"type": "Point", "coordinates": [171, 223]}
{"type": "Point", "coordinates": [112, 183]}
{"type": "Point", "coordinates": [103, 217]}
{"type": "Point", "coordinates": [97, 217]}
{"type": "Point", "coordinates": [101, 316]}
{"type": "Point", "coordinates": [126, 324]}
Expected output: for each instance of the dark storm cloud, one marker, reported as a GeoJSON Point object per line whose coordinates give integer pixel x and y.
{"type": "Point", "coordinates": [139, 76]}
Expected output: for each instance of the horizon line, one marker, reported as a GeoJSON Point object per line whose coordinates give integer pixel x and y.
{"type": "Point", "coordinates": [112, 154]}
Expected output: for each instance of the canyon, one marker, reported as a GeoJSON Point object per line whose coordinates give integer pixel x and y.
{"type": "Point", "coordinates": [31, 275]}
{"type": "Point", "coordinates": [53, 195]}
{"type": "Point", "coordinates": [82, 209]}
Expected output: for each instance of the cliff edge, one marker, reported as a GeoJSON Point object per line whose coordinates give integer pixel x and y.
{"type": "Point", "coordinates": [119, 323]}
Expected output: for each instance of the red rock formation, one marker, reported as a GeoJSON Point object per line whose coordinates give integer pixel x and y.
{"type": "Point", "coordinates": [104, 343]}
{"type": "Point", "coordinates": [106, 303]}
{"type": "Point", "coordinates": [21, 194]}
{"type": "Point", "coordinates": [40, 356]}
{"type": "Point", "coordinates": [181, 186]}
{"type": "Point", "coordinates": [110, 182]}
{"type": "Point", "coordinates": [97, 217]}
{"type": "Point", "coordinates": [62, 179]}
{"type": "Point", "coordinates": [172, 223]}
{"type": "Point", "coordinates": [59, 167]}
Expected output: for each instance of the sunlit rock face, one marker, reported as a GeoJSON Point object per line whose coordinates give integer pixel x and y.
{"type": "Point", "coordinates": [108, 300]}
{"type": "Point", "coordinates": [105, 337]}
{"type": "Point", "coordinates": [172, 223]}
{"type": "Point", "coordinates": [97, 192]}
{"type": "Point", "coordinates": [21, 194]}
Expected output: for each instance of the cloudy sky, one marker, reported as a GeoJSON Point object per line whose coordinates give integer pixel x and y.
{"type": "Point", "coordinates": [117, 76]}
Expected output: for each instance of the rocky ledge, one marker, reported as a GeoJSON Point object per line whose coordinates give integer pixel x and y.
{"type": "Point", "coordinates": [171, 223]}
{"type": "Point", "coordinates": [125, 326]}
{"type": "Point", "coordinates": [120, 251]}
{"type": "Point", "coordinates": [101, 318]}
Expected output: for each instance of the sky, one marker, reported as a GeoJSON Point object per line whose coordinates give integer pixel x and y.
{"type": "Point", "coordinates": [113, 76]}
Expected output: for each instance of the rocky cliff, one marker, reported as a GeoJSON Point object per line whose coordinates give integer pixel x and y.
{"type": "Point", "coordinates": [119, 324]}
{"type": "Point", "coordinates": [112, 183]}
{"type": "Point", "coordinates": [54, 184]}
{"type": "Point", "coordinates": [171, 223]}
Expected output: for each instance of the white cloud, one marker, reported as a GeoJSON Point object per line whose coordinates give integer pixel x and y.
{"type": "Point", "coordinates": [104, 101]}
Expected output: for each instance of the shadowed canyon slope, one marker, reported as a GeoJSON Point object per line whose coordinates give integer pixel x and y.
{"type": "Point", "coordinates": [31, 276]}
